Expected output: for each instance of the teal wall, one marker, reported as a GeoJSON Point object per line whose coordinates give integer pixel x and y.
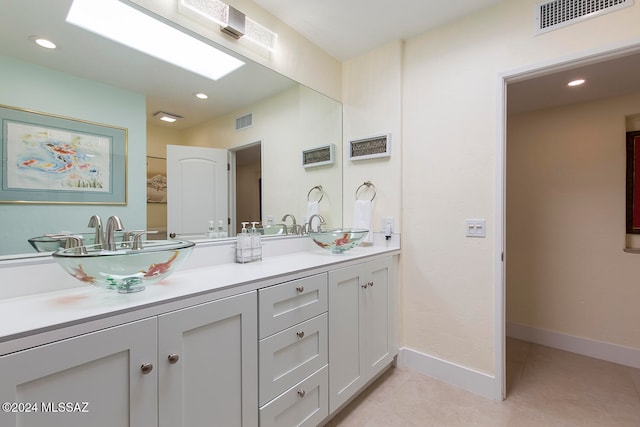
{"type": "Point", "coordinates": [40, 89]}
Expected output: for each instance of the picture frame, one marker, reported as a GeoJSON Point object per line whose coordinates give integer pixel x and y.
{"type": "Point", "coordinates": [370, 148]}
{"type": "Point", "coordinates": [633, 183]}
{"type": "Point", "coordinates": [156, 179]}
{"type": "Point", "coordinates": [318, 156]}
{"type": "Point", "coordinates": [51, 159]}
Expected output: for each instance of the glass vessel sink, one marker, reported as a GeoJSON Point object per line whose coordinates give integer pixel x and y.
{"type": "Point", "coordinates": [338, 240]}
{"type": "Point", "coordinates": [125, 270]}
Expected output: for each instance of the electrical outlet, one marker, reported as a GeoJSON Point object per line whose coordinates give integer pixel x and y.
{"type": "Point", "coordinates": [387, 225]}
{"type": "Point", "coordinates": [476, 228]}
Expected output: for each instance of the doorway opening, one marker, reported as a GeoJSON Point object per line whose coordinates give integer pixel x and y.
{"type": "Point", "coordinates": [245, 182]}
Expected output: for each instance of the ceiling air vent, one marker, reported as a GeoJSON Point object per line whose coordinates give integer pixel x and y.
{"type": "Point", "coordinates": [551, 15]}
{"type": "Point", "coordinates": [244, 122]}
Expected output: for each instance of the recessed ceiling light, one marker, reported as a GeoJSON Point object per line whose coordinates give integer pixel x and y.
{"type": "Point", "coordinates": [42, 42]}
{"type": "Point", "coordinates": [128, 26]}
{"type": "Point", "coordinates": [201, 95]}
{"type": "Point", "coordinates": [576, 82]}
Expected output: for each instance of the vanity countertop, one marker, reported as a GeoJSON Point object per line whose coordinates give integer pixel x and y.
{"type": "Point", "coordinates": [30, 320]}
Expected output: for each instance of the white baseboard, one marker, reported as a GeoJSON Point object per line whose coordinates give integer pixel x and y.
{"type": "Point", "coordinates": [458, 376]}
{"type": "Point", "coordinates": [622, 355]}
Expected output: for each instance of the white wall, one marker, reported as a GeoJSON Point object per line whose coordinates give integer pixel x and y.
{"type": "Point", "coordinates": [450, 117]}
{"type": "Point", "coordinates": [567, 271]}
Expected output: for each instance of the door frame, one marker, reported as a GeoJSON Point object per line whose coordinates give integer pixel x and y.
{"type": "Point", "coordinates": [501, 258]}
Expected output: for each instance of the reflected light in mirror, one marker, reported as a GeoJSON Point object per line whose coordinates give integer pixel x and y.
{"type": "Point", "coordinates": [130, 27]}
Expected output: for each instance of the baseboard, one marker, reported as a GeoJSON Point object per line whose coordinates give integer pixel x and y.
{"type": "Point", "coordinates": [450, 373]}
{"type": "Point", "coordinates": [622, 355]}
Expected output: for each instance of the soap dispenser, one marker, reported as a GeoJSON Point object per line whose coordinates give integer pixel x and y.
{"type": "Point", "coordinates": [211, 233]}
{"type": "Point", "coordinates": [221, 231]}
{"type": "Point", "coordinates": [243, 245]}
{"type": "Point", "coordinates": [256, 244]}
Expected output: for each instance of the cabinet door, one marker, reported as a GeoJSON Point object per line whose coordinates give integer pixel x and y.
{"type": "Point", "coordinates": [99, 374]}
{"type": "Point", "coordinates": [346, 315]}
{"type": "Point", "coordinates": [207, 369]}
{"type": "Point", "coordinates": [378, 334]}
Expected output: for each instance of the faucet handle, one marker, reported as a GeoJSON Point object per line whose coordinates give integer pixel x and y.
{"type": "Point", "coordinates": [75, 242]}
{"type": "Point", "coordinates": [137, 237]}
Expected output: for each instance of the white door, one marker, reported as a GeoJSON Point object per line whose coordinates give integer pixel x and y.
{"type": "Point", "coordinates": [196, 188]}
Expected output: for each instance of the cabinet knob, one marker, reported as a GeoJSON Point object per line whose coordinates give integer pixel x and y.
{"type": "Point", "coordinates": [301, 393]}
{"type": "Point", "coordinates": [365, 286]}
{"type": "Point", "coordinates": [173, 358]}
{"type": "Point", "coordinates": [300, 289]}
{"type": "Point", "coordinates": [371, 284]}
{"type": "Point", "coordinates": [146, 368]}
{"type": "Point", "coordinates": [172, 235]}
{"type": "Point", "coordinates": [300, 334]}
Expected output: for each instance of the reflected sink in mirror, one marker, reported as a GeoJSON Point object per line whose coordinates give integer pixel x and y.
{"type": "Point", "coordinates": [53, 242]}
{"type": "Point", "coordinates": [125, 270]}
{"type": "Point", "coordinates": [338, 240]}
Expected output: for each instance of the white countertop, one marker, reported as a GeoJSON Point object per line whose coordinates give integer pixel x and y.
{"type": "Point", "coordinates": [30, 320]}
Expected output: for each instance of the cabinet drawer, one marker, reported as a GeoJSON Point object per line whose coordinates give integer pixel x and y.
{"type": "Point", "coordinates": [305, 404]}
{"type": "Point", "coordinates": [282, 306]}
{"type": "Point", "coordinates": [288, 357]}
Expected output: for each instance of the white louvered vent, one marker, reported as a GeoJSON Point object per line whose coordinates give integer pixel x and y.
{"type": "Point", "coordinates": [244, 122]}
{"type": "Point", "coordinates": [551, 15]}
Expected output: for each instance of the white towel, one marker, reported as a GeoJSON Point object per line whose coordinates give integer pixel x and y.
{"type": "Point", "coordinates": [363, 218]}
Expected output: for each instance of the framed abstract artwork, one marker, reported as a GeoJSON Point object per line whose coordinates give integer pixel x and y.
{"type": "Point", "coordinates": [53, 159]}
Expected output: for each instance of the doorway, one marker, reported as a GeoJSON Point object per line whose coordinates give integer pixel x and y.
{"type": "Point", "coordinates": [246, 182]}
{"type": "Point", "coordinates": [514, 85]}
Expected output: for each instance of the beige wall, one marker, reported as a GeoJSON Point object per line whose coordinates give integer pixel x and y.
{"type": "Point", "coordinates": [450, 113]}
{"type": "Point", "coordinates": [372, 104]}
{"type": "Point", "coordinates": [566, 269]}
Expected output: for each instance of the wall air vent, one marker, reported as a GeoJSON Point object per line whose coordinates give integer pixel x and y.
{"type": "Point", "coordinates": [244, 122]}
{"type": "Point", "coordinates": [551, 15]}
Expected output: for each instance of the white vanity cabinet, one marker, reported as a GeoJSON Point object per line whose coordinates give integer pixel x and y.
{"type": "Point", "coordinates": [191, 367]}
{"type": "Point", "coordinates": [293, 353]}
{"type": "Point", "coordinates": [111, 371]}
{"type": "Point", "coordinates": [362, 322]}
{"type": "Point", "coordinates": [207, 364]}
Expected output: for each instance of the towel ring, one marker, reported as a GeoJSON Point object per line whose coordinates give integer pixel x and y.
{"type": "Point", "coordinates": [319, 188]}
{"type": "Point", "coordinates": [368, 184]}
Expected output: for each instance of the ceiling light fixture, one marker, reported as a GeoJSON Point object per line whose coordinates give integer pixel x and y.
{"type": "Point", "coordinates": [166, 117]}
{"type": "Point", "coordinates": [128, 26]}
{"type": "Point", "coordinates": [42, 42]}
{"type": "Point", "coordinates": [201, 95]}
{"type": "Point", "coordinates": [576, 82]}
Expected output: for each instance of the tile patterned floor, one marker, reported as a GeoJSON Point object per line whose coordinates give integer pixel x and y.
{"type": "Point", "coordinates": [545, 388]}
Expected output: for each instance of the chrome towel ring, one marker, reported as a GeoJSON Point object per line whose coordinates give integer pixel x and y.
{"type": "Point", "coordinates": [319, 188]}
{"type": "Point", "coordinates": [367, 184]}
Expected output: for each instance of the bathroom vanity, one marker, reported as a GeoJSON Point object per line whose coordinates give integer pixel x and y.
{"type": "Point", "coordinates": [281, 342]}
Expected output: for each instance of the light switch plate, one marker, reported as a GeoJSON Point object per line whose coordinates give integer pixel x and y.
{"type": "Point", "coordinates": [387, 221]}
{"type": "Point", "coordinates": [476, 228]}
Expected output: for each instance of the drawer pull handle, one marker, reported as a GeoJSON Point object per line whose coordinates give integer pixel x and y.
{"type": "Point", "coordinates": [173, 358]}
{"type": "Point", "coordinates": [301, 393]}
{"type": "Point", "coordinates": [146, 368]}
{"type": "Point", "coordinates": [365, 286]}
{"type": "Point", "coordinates": [300, 289]}
{"type": "Point", "coordinates": [371, 284]}
{"type": "Point", "coordinates": [300, 334]}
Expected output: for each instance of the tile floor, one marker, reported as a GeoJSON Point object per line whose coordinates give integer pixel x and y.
{"type": "Point", "coordinates": [545, 388]}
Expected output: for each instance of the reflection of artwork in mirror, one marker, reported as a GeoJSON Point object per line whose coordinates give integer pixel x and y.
{"type": "Point", "coordinates": [156, 180]}
{"type": "Point", "coordinates": [52, 159]}
{"type": "Point", "coordinates": [633, 182]}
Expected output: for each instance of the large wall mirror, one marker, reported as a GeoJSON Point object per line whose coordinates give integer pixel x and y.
{"type": "Point", "coordinates": [91, 79]}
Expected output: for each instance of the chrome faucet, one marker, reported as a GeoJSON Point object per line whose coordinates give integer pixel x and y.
{"type": "Point", "coordinates": [113, 224]}
{"type": "Point", "coordinates": [309, 225]}
{"type": "Point", "coordinates": [96, 222]}
{"type": "Point", "coordinates": [293, 226]}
